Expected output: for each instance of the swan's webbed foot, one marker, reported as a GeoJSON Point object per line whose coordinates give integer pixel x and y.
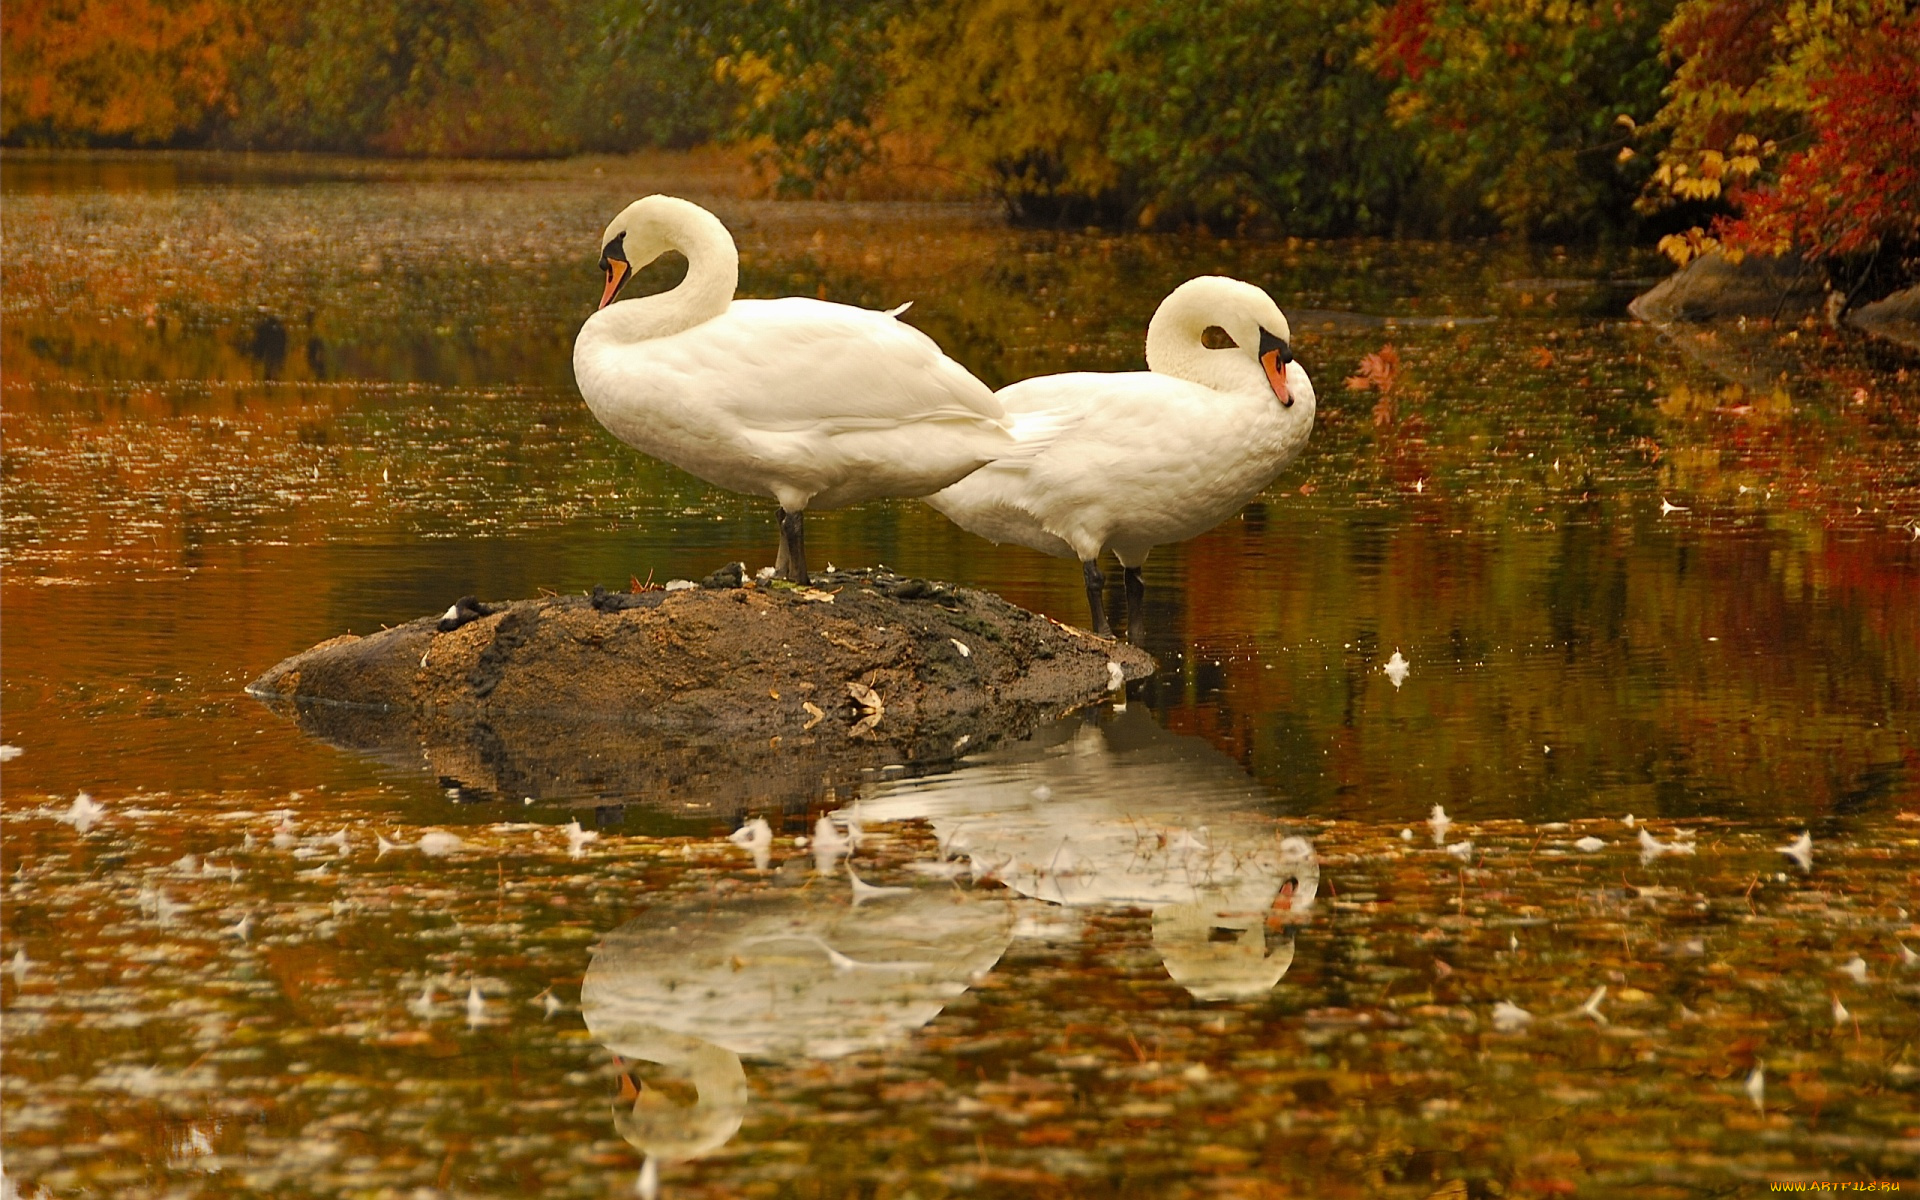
{"type": "Point", "coordinates": [1136, 605]}
{"type": "Point", "coordinates": [793, 546]}
{"type": "Point", "coordinates": [1096, 596]}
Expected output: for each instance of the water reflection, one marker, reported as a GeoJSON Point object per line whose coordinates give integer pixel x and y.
{"type": "Point", "coordinates": [1117, 811]}
{"type": "Point", "coordinates": [1093, 811]}
{"type": "Point", "coordinates": [799, 971]}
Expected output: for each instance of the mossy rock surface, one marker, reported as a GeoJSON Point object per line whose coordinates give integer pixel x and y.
{"type": "Point", "coordinates": [722, 697]}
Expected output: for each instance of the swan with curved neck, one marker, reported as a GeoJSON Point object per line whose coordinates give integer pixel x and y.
{"type": "Point", "coordinates": [661, 1130]}
{"type": "Point", "coordinates": [812, 404]}
{"type": "Point", "coordinates": [1136, 459]}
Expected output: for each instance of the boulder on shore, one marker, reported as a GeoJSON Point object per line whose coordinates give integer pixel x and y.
{"type": "Point", "coordinates": [1714, 288]}
{"type": "Point", "coordinates": [711, 699]}
{"type": "Point", "coordinates": [1895, 318]}
{"type": "Point", "coordinates": [1743, 320]}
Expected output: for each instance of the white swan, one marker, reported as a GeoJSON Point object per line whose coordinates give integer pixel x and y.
{"type": "Point", "coordinates": [1128, 461]}
{"type": "Point", "coordinates": [814, 404]}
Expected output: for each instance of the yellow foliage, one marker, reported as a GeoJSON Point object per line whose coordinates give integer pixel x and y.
{"type": "Point", "coordinates": [1001, 87]}
{"type": "Point", "coordinates": [1697, 188]}
{"type": "Point", "coordinates": [754, 72]}
{"type": "Point", "coordinates": [1683, 248]}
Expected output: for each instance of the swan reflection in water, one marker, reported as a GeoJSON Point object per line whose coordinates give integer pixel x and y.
{"type": "Point", "coordinates": [1116, 811]}
{"type": "Point", "coordinates": [702, 981]}
{"type": "Point", "coordinates": [1107, 812]}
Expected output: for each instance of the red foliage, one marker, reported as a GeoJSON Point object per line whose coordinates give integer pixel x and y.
{"type": "Point", "coordinates": [1859, 183]}
{"type": "Point", "coordinates": [1400, 44]}
{"type": "Point", "coordinates": [1727, 42]}
{"type": "Point", "coordinates": [1379, 371]}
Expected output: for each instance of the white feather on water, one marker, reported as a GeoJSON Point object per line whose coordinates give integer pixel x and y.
{"type": "Point", "coordinates": [438, 843]}
{"type": "Point", "coordinates": [83, 814]}
{"type": "Point", "coordinates": [864, 891]}
{"type": "Point", "coordinates": [756, 838]}
{"type": "Point", "coordinates": [1397, 669]}
{"type": "Point", "coordinates": [1592, 1007]}
{"type": "Point", "coordinates": [577, 838]}
{"type": "Point", "coordinates": [1652, 847]}
{"type": "Point", "coordinates": [1800, 850]}
{"type": "Point", "coordinates": [1509, 1017]}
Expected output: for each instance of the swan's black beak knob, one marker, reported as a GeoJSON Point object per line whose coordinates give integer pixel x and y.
{"type": "Point", "coordinates": [614, 265]}
{"type": "Point", "coordinates": [1275, 354]}
{"type": "Point", "coordinates": [617, 274]}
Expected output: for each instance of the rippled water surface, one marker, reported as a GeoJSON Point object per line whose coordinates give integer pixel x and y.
{"type": "Point", "coordinates": [1175, 946]}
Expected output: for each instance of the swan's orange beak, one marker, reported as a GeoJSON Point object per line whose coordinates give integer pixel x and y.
{"type": "Point", "coordinates": [617, 271]}
{"type": "Point", "coordinates": [627, 1091]}
{"type": "Point", "coordinates": [1275, 354]}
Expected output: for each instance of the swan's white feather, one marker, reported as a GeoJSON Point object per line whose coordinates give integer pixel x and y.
{"type": "Point", "coordinates": [1127, 461]}
{"type": "Point", "coordinates": [812, 403]}
{"type": "Point", "coordinates": [793, 363]}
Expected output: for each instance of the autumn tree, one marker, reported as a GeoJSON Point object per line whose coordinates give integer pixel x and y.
{"type": "Point", "coordinates": [1856, 189]}
{"type": "Point", "coordinates": [1007, 89]}
{"type": "Point", "coordinates": [1258, 111]}
{"type": "Point", "coordinates": [1517, 104]}
{"type": "Point", "coordinates": [135, 72]}
{"type": "Point", "coordinates": [1802, 122]}
{"type": "Point", "coordinates": [808, 74]}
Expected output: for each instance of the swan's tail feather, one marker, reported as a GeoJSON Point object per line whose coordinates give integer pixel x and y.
{"type": "Point", "coordinates": [894, 312]}
{"type": "Point", "coordinates": [1033, 432]}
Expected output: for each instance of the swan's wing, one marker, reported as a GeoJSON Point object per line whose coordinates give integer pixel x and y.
{"type": "Point", "coordinates": [1090, 442]}
{"type": "Point", "coordinates": [1045, 410]}
{"type": "Point", "coordinates": [805, 365]}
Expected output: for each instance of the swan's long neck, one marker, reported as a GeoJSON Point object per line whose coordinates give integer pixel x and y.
{"type": "Point", "coordinates": [1174, 345]}
{"type": "Point", "coordinates": [654, 226]}
{"type": "Point", "coordinates": [1173, 338]}
{"type": "Point", "coordinates": [670, 1131]}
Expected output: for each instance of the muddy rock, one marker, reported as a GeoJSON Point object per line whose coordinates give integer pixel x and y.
{"type": "Point", "coordinates": [1896, 318]}
{"type": "Point", "coordinates": [1711, 288]}
{"type": "Point", "coordinates": [719, 697]}
{"type": "Point", "coordinates": [1730, 317]}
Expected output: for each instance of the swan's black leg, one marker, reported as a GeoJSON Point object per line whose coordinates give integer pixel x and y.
{"type": "Point", "coordinates": [1136, 605]}
{"type": "Point", "coordinates": [780, 560]}
{"type": "Point", "coordinates": [793, 539]}
{"type": "Point", "coordinates": [1096, 596]}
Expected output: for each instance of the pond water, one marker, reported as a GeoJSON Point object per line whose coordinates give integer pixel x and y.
{"type": "Point", "coordinates": [1201, 940]}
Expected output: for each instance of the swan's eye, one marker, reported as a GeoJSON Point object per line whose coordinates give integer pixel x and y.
{"type": "Point", "coordinates": [1215, 338]}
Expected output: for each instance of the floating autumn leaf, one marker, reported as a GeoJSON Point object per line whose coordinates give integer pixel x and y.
{"type": "Point", "coordinates": [1379, 371]}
